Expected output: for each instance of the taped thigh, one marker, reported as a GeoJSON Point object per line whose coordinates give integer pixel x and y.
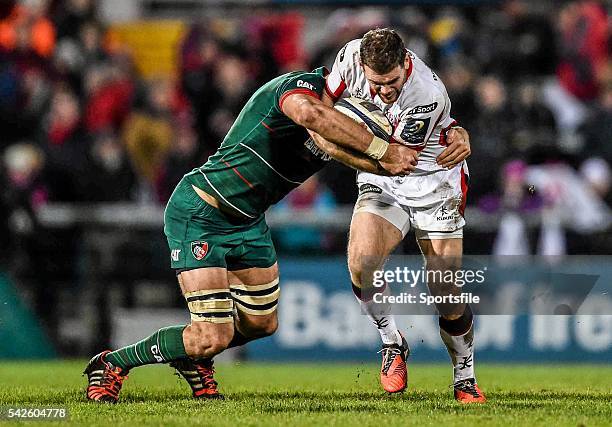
{"type": "Point", "coordinates": [211, 305]}
{"type": "Point", "coordinates": [258, 300]}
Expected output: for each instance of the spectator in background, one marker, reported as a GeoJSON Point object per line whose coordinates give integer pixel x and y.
{"type": "Point", "coordinates": [90, 39]}
{"type": "Point", "coordinates": [199, 53]}
{"type": "Point", "coordinates": [583, 54]}
{"type": "Point", "coordinates": [28, 26]}
{"type": "Point", "coordinates": [24, 164]}
{"type": "Point", "coordinates": [583, 39]}
{"type": "Point", "coordinates": [34, 251]}
{"type": "Point", "coordinates": [107, 175]}
{"type": "Point", "coordinates": [65, 143]}
{"type": "Point", "coordinates": [597, 130]}
{"type": "Point", "coordinates": [148, 135]}
{"type": "Point", "coordinates": [493, 129]}
{"type": "Point", "coordinates": [233, 89]}
{"type": "Point", "coordinates": [596, 172]}
{"type": "Point", "coordinates": [459, 77]}
{"type": "Point", "coordinates": [24, 99]}
{"type": "Point", "coordinates": [70, 15]}
{"type": "Point", "coordinates": [184, 155]}
{"type": "Point", "coordinates": [109, 92]}
{"type": "Point", "coordinates": [515, 42]}
{"type": "Point", "coordinates": [24, 192]}
{"type": "Point", "coordinates": [449, 36]}
{"type": "Point", "coordinates": [512, 238]}
{"type": "Point", "coordinates": [534, 124]}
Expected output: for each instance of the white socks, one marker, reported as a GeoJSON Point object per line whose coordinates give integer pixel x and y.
{"type": "Point", "coordinates": [379, 314]}
{"type": "Point", "coordinates": [458, 336]}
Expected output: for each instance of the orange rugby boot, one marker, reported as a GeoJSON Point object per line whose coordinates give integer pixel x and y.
{"type": "Point", "coordinates": [467, 391]}
{"type": "Point", "coordinates": [394, 373]}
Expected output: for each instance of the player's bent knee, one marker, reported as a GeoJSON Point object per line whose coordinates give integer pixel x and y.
{"type": "Point", "coordinates": [259, 326]}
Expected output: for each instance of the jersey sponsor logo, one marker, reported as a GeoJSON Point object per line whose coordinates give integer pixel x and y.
{"type": "Point", "coordinates": [199, 249]}
{"type": "Point", "coordinates": [423, 109]}
{"type": "Point", "coordinates": [415, 130]}
{"type": "Point", "coordinates": [369, 188]}
{"type": "Point", "coordinates": [156, 353]}
{"type": "Point", "coordinates": [302, 83]}
{"type": "Point", "coordinates": [316, 151]}
{"type": "Point", "coordinates": [446, 214]}
{"type": "Point", "coordinates": [175, 254]}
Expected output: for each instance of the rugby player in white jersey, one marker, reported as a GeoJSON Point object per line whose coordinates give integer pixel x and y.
{"type": "Point", "coordinates": [431, 199]}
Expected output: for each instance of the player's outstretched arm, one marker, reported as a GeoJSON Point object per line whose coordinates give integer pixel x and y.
{"type": "Point", "coordinates": [340, 129]}
{"type": "Point", "coordinates": [348, 157]}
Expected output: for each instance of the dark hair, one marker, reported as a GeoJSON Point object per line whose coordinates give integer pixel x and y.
{"type": "Point", "coordinates": [382, 50]}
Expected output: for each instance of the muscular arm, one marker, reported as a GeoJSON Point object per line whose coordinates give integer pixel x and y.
{"type": "Point", "coordinates": [348, 157]}
{"type": "Point", "coordinates": [331, 124]}
{"type": "Point", "coordinates": [347, 134]}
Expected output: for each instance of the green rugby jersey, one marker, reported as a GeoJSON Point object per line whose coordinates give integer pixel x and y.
{"type": "Point", "coordinates": [265, 154]}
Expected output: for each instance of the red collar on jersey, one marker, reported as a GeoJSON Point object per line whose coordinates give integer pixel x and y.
{"type": "Point", "coordinates": [409, 70]}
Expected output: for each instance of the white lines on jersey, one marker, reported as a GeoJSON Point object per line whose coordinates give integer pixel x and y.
{"type": "Point", "coordinates": [221, 195]}
{"type": "Point", "coordinates": [270, 166]}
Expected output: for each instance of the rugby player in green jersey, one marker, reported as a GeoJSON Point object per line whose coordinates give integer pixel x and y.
{"type": "Point", "coordinates": [219, 241]}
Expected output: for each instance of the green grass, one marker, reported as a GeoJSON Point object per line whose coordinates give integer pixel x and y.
{"type": "Point", "coordinates": [322, 395]}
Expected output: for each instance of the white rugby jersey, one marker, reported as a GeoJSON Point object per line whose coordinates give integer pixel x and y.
{"type": "Point", "coordinates": [421, 114]}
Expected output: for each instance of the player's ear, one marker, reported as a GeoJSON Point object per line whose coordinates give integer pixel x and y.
{"type": "Point", "coordinates": [407, 62]}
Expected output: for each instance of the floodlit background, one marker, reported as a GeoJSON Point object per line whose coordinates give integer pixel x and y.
{"type": "Point", "coordinates": [104, 105]}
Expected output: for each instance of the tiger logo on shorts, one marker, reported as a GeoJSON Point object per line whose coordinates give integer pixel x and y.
{"type": "Point", "coordinates": [199, 249]}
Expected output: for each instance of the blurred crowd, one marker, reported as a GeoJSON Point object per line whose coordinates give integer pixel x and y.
{"type": "Point", "coordinates": [532, 83]}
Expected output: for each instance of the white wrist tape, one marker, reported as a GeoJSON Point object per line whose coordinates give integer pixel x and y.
{"type": "Point", "coordinates": [377, 149]}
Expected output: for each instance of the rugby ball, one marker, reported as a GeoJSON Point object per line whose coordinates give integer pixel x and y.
{"type": "Point", "coordinates": [367, 113]}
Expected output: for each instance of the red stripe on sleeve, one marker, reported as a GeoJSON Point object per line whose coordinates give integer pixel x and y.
{"type": "Point", "coordinates": [267, 126]}
{"type": "Point", "coordinates": [334, 95]}
{"type": "Point", "coordinates": [239, 174]}
{"type": "Point", "coordinates": [294, 91]}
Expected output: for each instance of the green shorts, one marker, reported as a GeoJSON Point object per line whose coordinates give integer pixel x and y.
{"type": "Point", "coordinates": [200, 235]}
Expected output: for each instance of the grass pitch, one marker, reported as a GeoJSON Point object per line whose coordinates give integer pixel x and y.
{"type": "Point", "coordinates": [321, 395]}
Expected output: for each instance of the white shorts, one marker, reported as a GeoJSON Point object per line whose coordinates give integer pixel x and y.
{"type": "Point", "coordinates": [431, 217]}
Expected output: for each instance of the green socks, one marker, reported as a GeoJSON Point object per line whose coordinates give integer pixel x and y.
{"type": "Point", "coordinates": [163, 346]}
